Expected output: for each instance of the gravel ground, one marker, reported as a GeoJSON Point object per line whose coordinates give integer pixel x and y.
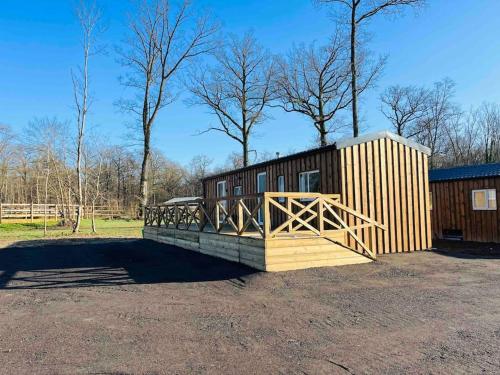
{"type": "Point", "coordinates": [138, 307]}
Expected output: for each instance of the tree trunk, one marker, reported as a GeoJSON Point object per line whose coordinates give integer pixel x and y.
{"type": "Point", "coordinates": [245, 151]}
{"type": "Point", "coordinates": [322, 133]}
{"type": "Point", "coordinates": [354, 89]}
{"type": "Point", "coordinates": [94, 230]}
{"type": "Point", "coordinates": [144, 189]}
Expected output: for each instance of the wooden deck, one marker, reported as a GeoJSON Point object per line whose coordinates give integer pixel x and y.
{"type": "Point", "coordinates": [311, 235]}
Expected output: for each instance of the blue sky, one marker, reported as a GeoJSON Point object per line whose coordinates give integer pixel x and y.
{"type": "Point", "coordinates": [39, 45]}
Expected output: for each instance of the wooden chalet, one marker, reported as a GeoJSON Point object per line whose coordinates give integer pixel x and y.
{"type": "Point", "coordinates": [344, 203]}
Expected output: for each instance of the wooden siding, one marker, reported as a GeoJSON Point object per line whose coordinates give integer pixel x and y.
{"type": "Point", "coordinates": [383, 179]}
{"type": "Point", "coordinates": [387, 181]}
{"type": "Point", "coordinates": [452, 210]}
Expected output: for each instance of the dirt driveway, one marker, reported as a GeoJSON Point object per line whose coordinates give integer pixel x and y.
{"type": "Point", "coordinates": [137, 307]}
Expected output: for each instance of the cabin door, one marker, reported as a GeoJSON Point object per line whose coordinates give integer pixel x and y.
{"type": "Point", "coordinates": [261, 188]}
{"type": "Point", "coordinates": [222, 192]}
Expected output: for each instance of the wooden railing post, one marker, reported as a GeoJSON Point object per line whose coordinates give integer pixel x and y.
{"type": "Point", "coordinates": [176, 215]}
{"type": "Point", "coordinates": [240, 219]}
{"type": "Point", "coordinates": [217, 216]}
{"type": "Point", "coordinates": [321, 222]}
{"type": "Point", "coordinates": [201, 213]}
{"type": "Point", "coordinates": [31, 212]}
{"type": "Point", "coordinates": [290, 208]}
{"type": "Point", "coordinates": [267, 216]}
{"type": "Point", "coordinates": [1, 212]}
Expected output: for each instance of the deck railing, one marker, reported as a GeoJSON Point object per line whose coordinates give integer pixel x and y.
{"type": "Point", "coordinates": [267, 215]}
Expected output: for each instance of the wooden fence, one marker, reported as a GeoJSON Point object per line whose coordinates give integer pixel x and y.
{"type": "Point", "coordinates": [32, 211]}
{"type": "Point", "coordinates": [266, 215]}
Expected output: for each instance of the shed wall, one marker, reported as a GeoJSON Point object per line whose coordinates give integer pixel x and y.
{"type": "Point", "coordinates": [452, 209]}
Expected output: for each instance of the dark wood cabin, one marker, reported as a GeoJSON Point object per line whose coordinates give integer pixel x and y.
{"type": "Point", "coordinates": [382, 175]}
{"type": "Point", "coordinates": [464, 203]}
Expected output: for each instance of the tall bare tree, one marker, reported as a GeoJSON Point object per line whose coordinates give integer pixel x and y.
{"type": "Point", "coordinates": [160, 43]}
{"type": "Point", "coordinates": [440, 113]}
{"type": "Point", "coordinates": [403, 107]}
{"type": "Point", "coordinates": [355, 13]}
{"type": "Point", "coordinates": [89, 17]}
{"type": "Point", "coordinates": [238, 89]}
{"type": "Point", "coordinates": [488, 115]}
{"type": "Point", "coordinates": [315, 81]}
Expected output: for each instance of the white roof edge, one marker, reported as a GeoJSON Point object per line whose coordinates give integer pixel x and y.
{"type": "Point", "coordinates": [182, 200]}
{"type": "Point", "coordinates": [347, 142]}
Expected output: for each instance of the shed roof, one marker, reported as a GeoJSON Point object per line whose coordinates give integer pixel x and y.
{"type": "Point", "coordinates": [182, 200]}
{"type": "Point", "coordinates": [342, 143]}
{"type": "Point", "coordinates": [465, 172]}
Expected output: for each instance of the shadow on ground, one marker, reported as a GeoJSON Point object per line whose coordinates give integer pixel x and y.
{"type": "Point", "coordinates": [467, 250]}
{"type": "Point", "coordinates": [83, 263]}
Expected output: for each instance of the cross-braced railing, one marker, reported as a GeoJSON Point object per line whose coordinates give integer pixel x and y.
{"type": "Point", "coordinates": [269, 215]}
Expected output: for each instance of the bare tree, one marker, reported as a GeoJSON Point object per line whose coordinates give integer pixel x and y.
{"type": "Point", "coordinates": [356, 13]}
{"type": "Point", "coordinates": [462, 136]}
{"type": "Point", "coordinates": [161, 42]}
{"type": "Point", "coordinates": [198, 168]}
{"type": "Point", "coordinates": [403, 107]}
{"type": "Point", "coordinates": [237, 90]}
{"type": "Point", "coordinates": [316, 83]}
{"type": "Point", "coordinates": [489, 122]}
{"type": "Point", "coordinates": [441, 112]}
{"type": "Point", "coordinates": [89, 17]}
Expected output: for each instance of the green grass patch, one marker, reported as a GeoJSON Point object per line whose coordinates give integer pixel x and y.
{"type": "Point", "coordinates": [105, 228]}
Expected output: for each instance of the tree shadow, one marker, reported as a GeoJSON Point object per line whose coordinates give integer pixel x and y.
{"type": "Point", "coordinates": [85, 263]}
{"type": "Point", "coordinates": [467, 250]}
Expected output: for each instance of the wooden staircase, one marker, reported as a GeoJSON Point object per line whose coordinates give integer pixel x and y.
{"type": "Point", "coordinates": [298, 253]}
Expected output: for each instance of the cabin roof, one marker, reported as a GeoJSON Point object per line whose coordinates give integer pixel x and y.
{"type": "Point", "coordinates": [465, 172]}
{"type": "Point", "coordinates": [342, 143]}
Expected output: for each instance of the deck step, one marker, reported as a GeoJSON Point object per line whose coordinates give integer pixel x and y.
{"type": "Point", "coordinates": [316, 263]}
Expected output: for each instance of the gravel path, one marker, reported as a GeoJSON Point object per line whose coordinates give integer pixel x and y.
{"type": "Point", "coordinates": [138, 307]}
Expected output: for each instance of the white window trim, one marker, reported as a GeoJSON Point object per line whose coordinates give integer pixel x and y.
{"type": "Point", "coordinates": [307, 173]}
{"type": "Point", "coordinates": [238, 187]}
{"type": "Point", "coordinates": [282, 190]}
{"type": "Point", "coordinates": [224, 202]}
{"type": "Point", "coordinates": [225, 188]}
{"type": "Point", "coordinates": [487, 192]}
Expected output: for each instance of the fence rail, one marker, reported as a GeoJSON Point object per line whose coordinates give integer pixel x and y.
{"type": "Point", "coordinates": [31, 211]}
{"type": "Point", "coordinates": [266, 215]}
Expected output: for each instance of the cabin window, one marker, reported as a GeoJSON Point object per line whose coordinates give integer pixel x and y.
{"type": "Point", "coordinates": [309, 182]}
{"type": "Point", "coordinates": [485, 199]}
{"type": "Point", "coordinates": [237, 190]}
{"type": "Point", "coordinates": [221, 192]}
{"type": "Point", "coordinates": [281, 187]}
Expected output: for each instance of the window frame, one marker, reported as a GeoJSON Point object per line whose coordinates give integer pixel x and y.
{"type": "Point", "coordinates": [240, 187]}
{"type": "Point", "coordinates": [281, 189]}
{"type": "Point", "coordinates": [308, 173]}
{"type": "Point", "coordinates": [488, 199]}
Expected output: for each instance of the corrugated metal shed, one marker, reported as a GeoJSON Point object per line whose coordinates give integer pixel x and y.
{"type": "Point", "coordinates": [465, 173]}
